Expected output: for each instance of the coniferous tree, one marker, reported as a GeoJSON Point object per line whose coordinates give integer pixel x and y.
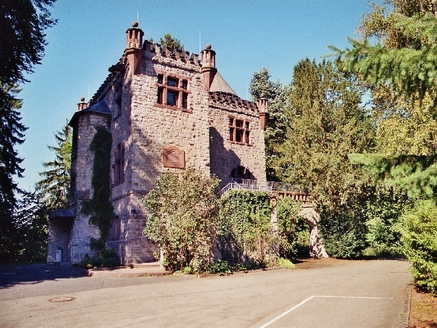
{"type": "Point", "coordinates": [12, 132]}
{"type": "Point", "coordinates": [325, 124]}
{"type": "Point", "coordinates": [22, 43]}
{"type": "Point", "coordinates": [55, 182]}
{"type": "Point", "coordinates": [31, 224]}
{"type": "Point", "coordinates": [170, 42]}
{"type": "Point", "coordinates": [262, 87]}
{"type": "Point", "coordinates": [400, 68]}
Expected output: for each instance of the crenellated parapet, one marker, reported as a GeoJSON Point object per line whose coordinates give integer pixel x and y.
{"type": "Point", "coordinates": [179, 55]}
{"type": "Point", "coordinates": [233, 100]}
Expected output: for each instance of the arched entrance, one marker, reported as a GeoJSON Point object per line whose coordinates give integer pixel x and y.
{"type": "Point", "coordinates": [309, 214]}
{"type": "Point", "coordinates": [312, 218]}
{"type": "Point", "coordinates": [241, 173]}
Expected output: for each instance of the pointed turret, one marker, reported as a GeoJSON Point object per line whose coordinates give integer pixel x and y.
{"type": "Point", "coordinates": [207, 59]}
{"type": "Point", "coordinates": [134, 51]}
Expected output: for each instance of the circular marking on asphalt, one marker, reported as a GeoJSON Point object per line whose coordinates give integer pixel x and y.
{"type": "Point", "coordinates": [62, 299]}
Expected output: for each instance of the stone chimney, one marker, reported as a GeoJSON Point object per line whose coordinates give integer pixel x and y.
{"type": "Point", "coordinates": [263, 107]}
{"type": "Point", "coordinates": [134, 51]}
{"type": "Point", "coordinates": [207, 59]}
{"type": "Point", "coordinates": [82, 104]}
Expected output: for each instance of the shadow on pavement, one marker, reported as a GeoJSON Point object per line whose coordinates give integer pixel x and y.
{"type": "Point", "coordinates": [11, 275]}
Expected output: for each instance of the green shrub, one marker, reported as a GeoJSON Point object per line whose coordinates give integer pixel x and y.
{"type": "Point", "coordinates": [419, 242]}
{"type": "Point", "coordinates": [291, 229]}
{"type": "Point", "coordinates": [344, 234]}
{"type": "Point", "coordinates": [221, 267]}
{"type": "Point", "coordinates": [104, 258]}
{"type": "Point", "coordinates": [286, 263]}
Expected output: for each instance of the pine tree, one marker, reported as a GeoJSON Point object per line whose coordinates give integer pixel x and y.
{"type": "Point", "coordinates": [12, 132]}
{"type": "Point", "coordinates": [55, 182]}
{"type": "Point", "coordinates": [262, 87]}
{"type": "Point", "coordinates": [22, 43]}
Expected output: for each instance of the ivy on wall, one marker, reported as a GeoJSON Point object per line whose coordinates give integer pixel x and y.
{"type": "Point", "coordinates": [244, 233]}
{"type": "Point", "coordinates": [99, 207]}
{"type": "Point", "coordinates": [291, 227]}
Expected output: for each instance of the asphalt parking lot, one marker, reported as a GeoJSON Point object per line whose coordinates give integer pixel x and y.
{"type": "Point", "coordinates": [329, 293]}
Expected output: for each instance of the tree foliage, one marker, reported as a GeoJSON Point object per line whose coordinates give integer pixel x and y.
{"type": "Point", "coordinates": [419, 238]}
{"type": "Point", "coordinates": [23, 39]}
{"type": "Point", "coordinates": [245, 233]}
{"type": "Point", "coordinates": [99, 206]}
{"type": "Point", "coordinates": [400, 68]}
{"type": "Point", "coordinates": [317, 122]}
{"type": "Point", "coordinates": [290, 227]}
{"type": "Point", "coordinates": [325, 124]}
{"type": "Point", "coordinates": [55, 182]}
{"type": "Point", "coordinates": [170, 42]}
{"type": "Point", "coordinates": [31, 221]}
{"type": "Point", "coordinates": [183, 219]}
{"type": "Point", "coordinates": [262, 87]}
{"type": "Point", "coordinates": [22, 42]}
{"type": "Point", "coordinates": [12, 132]}
{"type": "Point", "coordinates": [404, 54]}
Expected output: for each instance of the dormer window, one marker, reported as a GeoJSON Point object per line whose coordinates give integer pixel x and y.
{"type": "Point", "coordinates": [172, 92]}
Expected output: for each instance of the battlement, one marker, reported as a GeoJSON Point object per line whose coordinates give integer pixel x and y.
{"type": "Point", "coordinates": [233, 100]}
{"type": "Point", "coordinates": [176, 54]}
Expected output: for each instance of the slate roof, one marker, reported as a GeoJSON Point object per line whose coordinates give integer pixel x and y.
{"type": "Point", "coordinates": [63, 213]}
{"type": "Point", "coordinates": [100, 107]}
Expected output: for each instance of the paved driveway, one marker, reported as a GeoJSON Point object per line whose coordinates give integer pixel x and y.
{"type": "Point", "coordinates": [340, 294]}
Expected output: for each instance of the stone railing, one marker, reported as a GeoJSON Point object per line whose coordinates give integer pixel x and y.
{"type": "Point", "coordinates": [297, 193]}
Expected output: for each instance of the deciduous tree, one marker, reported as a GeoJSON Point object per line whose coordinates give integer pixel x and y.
{"type": "Point", "coordinates": [183, 219]}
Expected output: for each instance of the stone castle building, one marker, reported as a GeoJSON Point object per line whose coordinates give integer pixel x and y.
{"type": "Point", "coordinates": [166, 110]}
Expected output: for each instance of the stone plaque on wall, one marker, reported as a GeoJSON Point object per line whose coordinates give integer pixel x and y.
{"type": "Point", "coordinates": [173, 157]}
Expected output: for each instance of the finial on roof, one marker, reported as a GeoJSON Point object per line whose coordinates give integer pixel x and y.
{"type": "Point", "coordinates": [208, 46]}
{"type": "Point", "coordinates": [134, 24]}
{"type": "Point", "coordinates": [82, 98]}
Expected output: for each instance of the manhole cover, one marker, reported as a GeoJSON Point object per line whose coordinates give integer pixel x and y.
{"type": "Point", "coordinates": [61, 299]}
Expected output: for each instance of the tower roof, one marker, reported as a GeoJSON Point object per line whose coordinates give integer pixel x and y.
{"type": "Point", "coordinates": [100, 107]}
{"type": "Point", "coordinates": [220, 85]}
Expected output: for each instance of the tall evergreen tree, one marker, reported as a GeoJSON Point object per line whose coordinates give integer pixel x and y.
{"type": "Point", "coordinates": [401, 69]}
{"type": "Point", "coordinates": [262, 87]}
{"type": "Point", "coordinates": [22, 42]}
{"type": "Point", "coordinates": [55, 182]}
{"type": "Point", "coordinates": [12, 132]}
{"type": "Point", "coordinates": [325, 124]}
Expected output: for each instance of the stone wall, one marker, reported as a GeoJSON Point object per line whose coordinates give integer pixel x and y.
{"type": "Point", "coordinates": [227, 155]}
{"type": "Point", "coordinates": [82, 169]}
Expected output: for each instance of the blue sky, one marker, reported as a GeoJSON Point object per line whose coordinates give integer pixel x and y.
{"type": "Point", "coordinates": [246, 35]}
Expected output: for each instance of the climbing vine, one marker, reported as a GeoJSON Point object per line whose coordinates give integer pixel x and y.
{"type": "Point", "coordinates": [245, 229]}
{"type": "Point", "coordinates": [99, 207]}
{"type": "Point", "coordinates": [290, 227]}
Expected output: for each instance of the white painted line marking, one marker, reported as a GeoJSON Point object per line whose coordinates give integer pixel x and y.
{"type": "Point", "coordinates": [286, 312]}
{"type": "Point", "coordinates": [321, 296]}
